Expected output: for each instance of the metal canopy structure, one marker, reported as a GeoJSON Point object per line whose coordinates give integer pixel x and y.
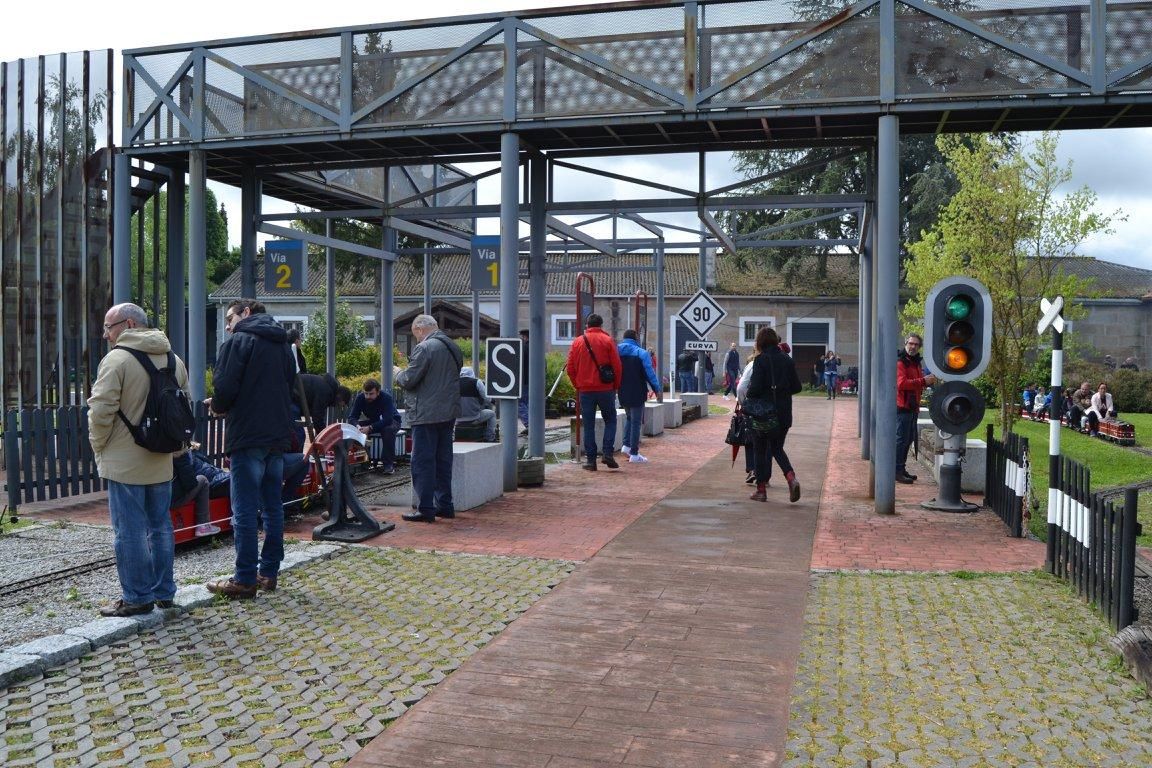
{"type": "Point", "coordinates": [314, 117]}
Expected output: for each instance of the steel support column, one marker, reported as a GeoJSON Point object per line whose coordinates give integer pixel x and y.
{"type": "Point", "coordinates": [509, 284]}
{"type": "Point", "coordinates": [864, 377]}
{"type": "Point", "coordinates": [122, 230]}
{"type": "Point", "coordinates": [329, 303]}
{"type": "Point", "coordinates": [177, 264]}
{"type": "Point", "coordinates": [197, 282]}
{"type": "Point", "coordinates": [537, 368]}
{"type": "Point", "coordinates": [249, 211]}
{"type": "Point", "coordinates": [887, 330]}
{"type": "Point", "coordinates": [387, 314]}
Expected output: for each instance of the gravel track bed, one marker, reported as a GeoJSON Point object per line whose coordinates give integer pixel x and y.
{"type": "Point", "coordinates": [51, 608]}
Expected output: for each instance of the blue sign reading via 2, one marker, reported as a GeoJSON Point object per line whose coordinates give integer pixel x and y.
{"type": "Point", "coordinates": [485, 263]}
{"type": "Point", "coordinates": [284, 267]}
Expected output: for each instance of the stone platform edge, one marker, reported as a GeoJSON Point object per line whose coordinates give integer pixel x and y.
{"type": "Point", "coordinates": [27, 660]}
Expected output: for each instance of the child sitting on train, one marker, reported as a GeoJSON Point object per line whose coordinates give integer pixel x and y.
{"type": "Point", "coordinates": [195, 479]}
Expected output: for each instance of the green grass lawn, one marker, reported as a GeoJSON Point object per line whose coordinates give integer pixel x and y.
{"type": "Point", "coordinates": [1110, 465]}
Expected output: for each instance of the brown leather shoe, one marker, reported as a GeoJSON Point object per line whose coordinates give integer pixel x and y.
{"type": "Point", "coordinates": [759, 496]}
{"type": "Point", "coordinates": [122, 609]}
{"type": "Point", "coordinates": [232, 590]}
{"type": "Point", "coordinates": [266, 583]}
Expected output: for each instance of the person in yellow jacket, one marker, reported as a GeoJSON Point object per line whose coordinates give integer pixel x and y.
{"type": "Point", "coordinates": [139, 480]}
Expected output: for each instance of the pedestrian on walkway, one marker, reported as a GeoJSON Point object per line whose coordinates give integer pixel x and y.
{"type": "Point", "coordinates": [432, 384]}
{"type": "Point", "coordinates": [773, 380]}
{"type": "Point", "coordinates": [254, 378]}
{"type": "Point", "coordinates": [594, 369]}
{"type": "Point", "coordinates": [741, 396]}
{"type": "Point", "coordinates": [731, 370]}
{"type": "Point", "coordinates": [709, 372]}
{"type": "Point", "coordinates": [522, 404]}
{"type": "Point", "coordinates": [139, 480]}
{"type": "Point", "coordinates": [831, 374]}
{"type": "Point", "coordinates": [910, 383]}
{"type": "Point", "coordinates": [637, 376]}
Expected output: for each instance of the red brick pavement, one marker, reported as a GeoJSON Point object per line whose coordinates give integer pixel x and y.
{"type": "Point", "coordinates": [572, 515]}
{"type": "Point", "coordinates": [850, 535]}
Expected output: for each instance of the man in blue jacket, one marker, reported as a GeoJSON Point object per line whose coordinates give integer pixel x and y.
{"type": "Point", "coordinates": [253, 380]}
{"type": "Point", "coordinates": [636, 377]}
{"type": "Point", "coordinates": [374, 412]}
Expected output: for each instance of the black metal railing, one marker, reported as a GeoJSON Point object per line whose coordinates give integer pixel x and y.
{"type": "Point", "coordinates": [47, 454]}
{"type": "Point", "coordinates": [1092, 542]}
{"type": "Point", "coordinates": [1006, 479]}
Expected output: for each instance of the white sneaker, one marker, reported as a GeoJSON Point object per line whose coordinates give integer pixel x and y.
{"type": "Point", "coordinates": [637, 459]}
{"type": "Point", "coordinates": [726, 397]}
{"type": "Point", "coordinates": [626, 450]}
{"type": "Point", "coordinates": [207, 529]}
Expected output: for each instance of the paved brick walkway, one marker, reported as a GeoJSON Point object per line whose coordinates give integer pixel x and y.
{"type": "Point", "coordinates": [852, 536]}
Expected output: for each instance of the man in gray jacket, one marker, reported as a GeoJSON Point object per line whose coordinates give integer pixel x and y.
{"type": "Point", "coordinates": [432, 386]}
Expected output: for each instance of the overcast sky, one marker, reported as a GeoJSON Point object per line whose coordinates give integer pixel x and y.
{"type": "Point", "coordinates": [1116, 164]}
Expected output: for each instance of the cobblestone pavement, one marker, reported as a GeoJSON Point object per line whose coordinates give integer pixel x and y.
{"type": "Point", "coordinates": [959, 671]}
{"type": "Point", "coordinates": [263, 682]}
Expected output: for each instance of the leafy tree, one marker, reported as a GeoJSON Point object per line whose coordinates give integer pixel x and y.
{"type": "Point", "coordinates": [1006, 226]}
{"type": "Point", "coordinates": [349, 334]}
{"type": "Point", "coordinates": [220, 261]}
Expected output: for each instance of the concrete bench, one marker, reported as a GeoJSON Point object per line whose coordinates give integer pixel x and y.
{"type": "Point", "coordinates": [576, 441]}
{"type": "Point", "coordinates": [673, 412]}
{"type": "Point", "coordinates": [653, 419]}
{"type": "Point", "coordinates": [477, 477]}
{"type": "Point", "coordinates": [972, 462]}
{"type": "Point", "coordinates": [696, 398]}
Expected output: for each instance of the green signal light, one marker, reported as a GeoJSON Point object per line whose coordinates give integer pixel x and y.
{"type": "Point", "coordinates": [959, 307]}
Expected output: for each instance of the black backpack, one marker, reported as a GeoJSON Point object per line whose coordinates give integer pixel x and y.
{"type": "Point", "coordinates": [167, 425]}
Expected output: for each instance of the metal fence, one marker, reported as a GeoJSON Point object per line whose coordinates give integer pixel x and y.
{"type": "Point", "coordinates": [1006, 479]}
{"type": "Point", "coordinates": [1092, 542]}
{"type": "Point", "coordinates": [47, 454]}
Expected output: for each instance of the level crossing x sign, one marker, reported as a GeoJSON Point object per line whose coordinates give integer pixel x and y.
{"type": "Point", "coordinates": [701, 313]}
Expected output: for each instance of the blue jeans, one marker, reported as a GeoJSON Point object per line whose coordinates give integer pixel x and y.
{"type": "Point", "coordinates": [633, 421]}
{"type": "Point", "coordinates": [708, 382]}
{"type": "Point", "coordinates": [144, 542]}
{"type": "Point", "coordinates": [606, 402]}
{"type": "Point", "coordinates": [257, 480]}
{"type": "Point", "coordinates": [432, 466]}
{"type": "Point", "coordinates": [523, 409]}
{"type": "Point", "coordinates": [687, 382]}
{"type": "Point", "coordinates": [905, 433]}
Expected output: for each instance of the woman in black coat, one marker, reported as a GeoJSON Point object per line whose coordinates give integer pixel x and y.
{"type": "Point", "coordinates": [773, 379]}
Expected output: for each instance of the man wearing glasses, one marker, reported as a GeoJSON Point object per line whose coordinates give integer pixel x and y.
{"type": "Point", "coordinates": [910, 383]}
{"type": "Point", "coordinates": [139, 480]}
{"type": "Point", "coordinates": [253, 380]}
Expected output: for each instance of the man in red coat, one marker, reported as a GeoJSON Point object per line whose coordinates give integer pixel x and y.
{"type": "Point", "coordinates": [910, 383]}
{"type": "Point", "coordinates": [592, 355]}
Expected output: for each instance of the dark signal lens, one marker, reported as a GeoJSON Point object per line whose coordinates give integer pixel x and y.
{"type": "Point", "coordinates": [960, 332]}
{"type": "Point", "coordinates": [957, 408]}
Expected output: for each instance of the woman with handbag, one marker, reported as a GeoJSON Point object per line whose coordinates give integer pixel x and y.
{"type": "Point", "coordinates": [769, 402]}
{"type": "Point", "coordinates": [744, 379]}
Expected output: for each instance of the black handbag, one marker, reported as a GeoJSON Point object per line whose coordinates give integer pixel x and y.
{"type": "Point", "coordinates": [763, 412]}
{"type": "Point", "coordinates": [607, 374]}
{"type": "Point", "coordinates": [739, 429]}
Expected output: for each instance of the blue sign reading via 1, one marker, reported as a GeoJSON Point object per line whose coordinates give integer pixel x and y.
{"type": "Point", "coordinates": [485, 263]}
{"type": "Point", "coordinates": [284, 266]}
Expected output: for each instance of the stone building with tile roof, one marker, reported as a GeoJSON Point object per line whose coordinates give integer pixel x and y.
{"type": "Point", "coordinates": [813, 313]}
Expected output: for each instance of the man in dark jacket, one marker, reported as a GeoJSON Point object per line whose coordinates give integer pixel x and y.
{"type": "Point", "coordinates": [731, 370]}
{"type": "Point", "coordinates": [321, 392]}
{"type": "Point", "coordinates": [374, 412]}
{"type": "Point", "coordinates": [686, 368]}
{"type": "Point", "coordinates": [432, 384]}
{"type": "Point", "coordinates": [253, 380]}
{"type": "Point", "coordinates": [910, 384]}
{"type": "Point", "coordinates": [636, 376]}
{"type": "Point", "coordinates": [593, 349]}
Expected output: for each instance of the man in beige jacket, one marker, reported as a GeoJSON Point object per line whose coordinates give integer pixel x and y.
{"type": "Point", "coordinates": [139, 480]}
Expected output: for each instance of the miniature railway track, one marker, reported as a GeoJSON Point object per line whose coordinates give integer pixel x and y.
{"type": "Point", "coordinates": [13, 589]}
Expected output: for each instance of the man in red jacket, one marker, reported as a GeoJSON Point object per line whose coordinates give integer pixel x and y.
{"type": "Point", "coordinates": [910, 383]}
{"type": "Point", "coordinates": [589, 360]}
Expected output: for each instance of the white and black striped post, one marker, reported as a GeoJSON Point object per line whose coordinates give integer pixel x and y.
{"type": "Point", "coordinates": [1053, 320]}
